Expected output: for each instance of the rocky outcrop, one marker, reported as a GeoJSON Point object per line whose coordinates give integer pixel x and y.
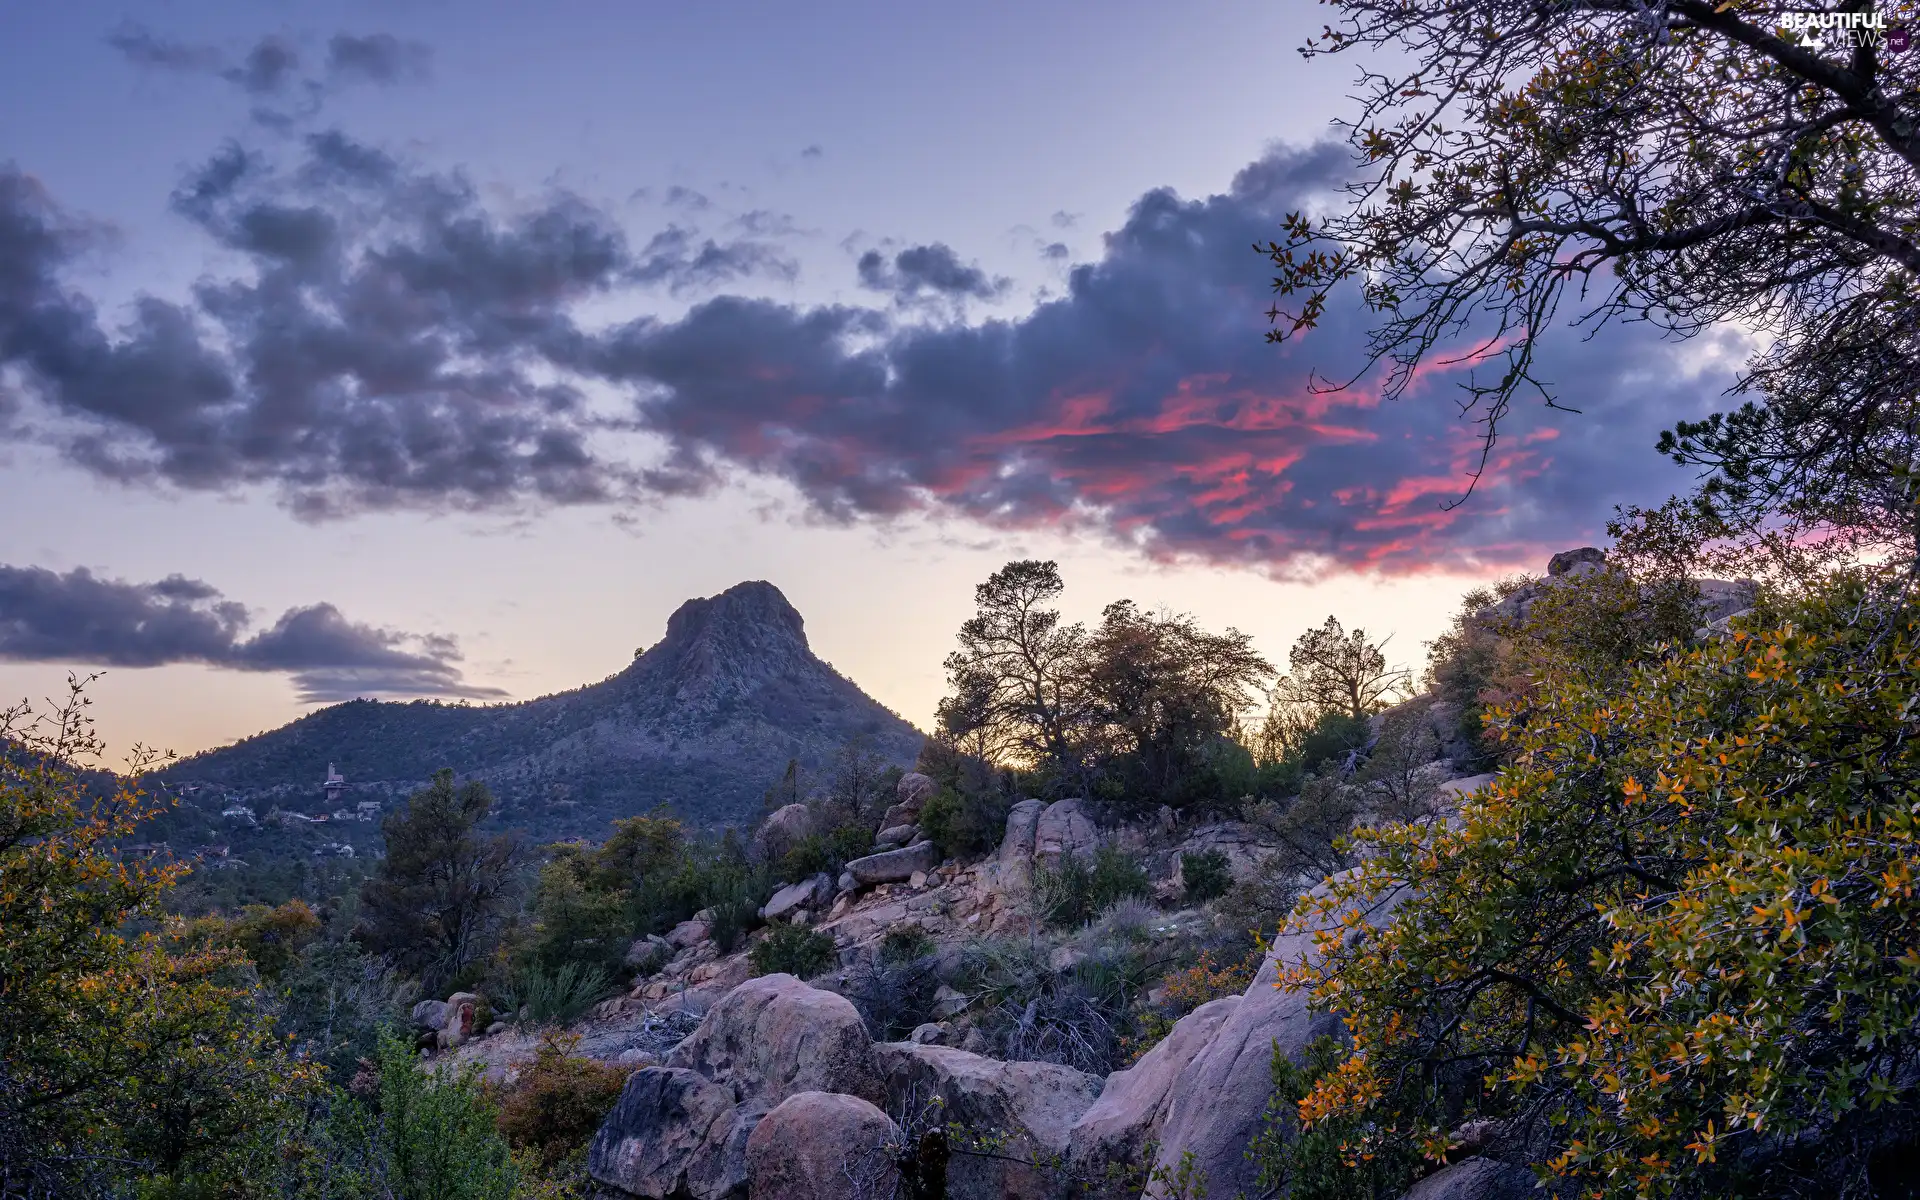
{"type": "Point", "coordinates": [1133, 1103]}
{"type": "Point", "coordinates": [821, 1146]}
{"type": "Point", "coordinates": [1475, 1179]}
{"type": "Point", "coordinates": [1064, 830]}
{"type": "Point", "coordinates": [896, 835]}
{"type": "Point", "coordinates": [456, 1026]}
{"type": "Point", "coordinates": [808, 893]}
{"type": "Point", "coordinates": [893, 866]}
{"type": "Point", "coordinates": [1215, 1104]}
{"type": "Point", "coordinates": [784, 828]}
{"type": "Point", "coordinates": [671, 1134]}
{"type": "Point", "coordinates": [773, 1036]}
{"type": "Point", "coordinates": [910, 796]}
{"type": "Point", "coordinates": [1032, 1105]}
{"type": "Point", "coordinates": [1016, 845]}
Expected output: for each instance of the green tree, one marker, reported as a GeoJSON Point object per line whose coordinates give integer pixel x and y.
{"type": "Point", "coordinates": [1330, 674]}
{"type": "Point", "coordinates": [1669, 951]}
{"type": "Point", "coordinates": [1689, 163]}
{"type": "Point", "coordinates": [439, 899]}
{"type": "Point", "coordinates": [1017, 682]}
{"type": "Point", "coordinates": [129, 1048]}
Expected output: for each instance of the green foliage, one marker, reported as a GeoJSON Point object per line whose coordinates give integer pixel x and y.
{"type": "Point", "coordinates": [1678, 924]}
{"type": "Point", "coordinates": [127, 1052]}
{"type": "Point", "coordinates": [559, 1100]}
{"type": "Point", "coordinates": [439, 1132]}
{"type": "Point", "coordinates": [333, 1001]}
{"type": "Point", "coordinates": [442, 892]}
{"type": "Point", "coordinates": [1338, 1158]}
{"type": "Point", "coordinates": [828, 852]}
{"type": "Point", "coordinates": [1207, 874]}
{"type": "Point", "coordinates": [273, 937]}
{"type": "Point", "coordinates": [540, 996]}
{"type": "Point", "coordinates": [1071, 893]}
{"type": "Point", "coordinates": [793, 950]}
{"type": "Point", "coordinates": [905, 943]}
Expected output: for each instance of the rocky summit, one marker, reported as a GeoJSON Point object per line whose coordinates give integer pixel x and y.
{"type": "Point", "coordinates": [703, 722]}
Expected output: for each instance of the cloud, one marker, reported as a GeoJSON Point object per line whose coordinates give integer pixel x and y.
{"type": "Point", "coordinates": [1143, 406]}
{"type": "Point", "coordinates": [81, 618]}
{"type": "Point", "coordinates": [933, 270]}
{"type": "Point", "coordinates": [271, 72]}
{"type": "Point", "coordinates": [396, 343]}
{"type": "Point", "coordinates": [378, 58]}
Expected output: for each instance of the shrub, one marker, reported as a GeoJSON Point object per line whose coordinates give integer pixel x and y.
{"type": "Point", "coordinates": [558, 997]}
{"type": "Point", "coordinates": [827, 852]}
{"type": "Point", "coordinates": [1033, 1013]}
{"type": "Point", "coordinates": [1332, 1159]}
{"type": "Point", "coordinates": [1208, 874]}
{"type": "Point", "coordinates": [893, 995]}
{"type": "Point", "coordinates": [558, 1102]}
{"type": "Point", "coordinates": [1676, 927]}
{"type": "Point", "coordinates": [905, 943]}
{"type": "Point", "coordinates": [438, 1131]}
{"type": "Point", "coordinates": [1206, 979]}
{"type": "Point", "coordinates": [1072, 892]}
{"type": "Point", "coordinates": [794, 950]}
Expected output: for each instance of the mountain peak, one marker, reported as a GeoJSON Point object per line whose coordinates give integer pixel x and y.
{"type": "Point", "coordinates": [755, 610]}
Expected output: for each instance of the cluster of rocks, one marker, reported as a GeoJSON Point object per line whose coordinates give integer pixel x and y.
{"type": "Point", "coordinates": [453, 1022]}
{"type": "Point", "coordinates": [779, 1092]}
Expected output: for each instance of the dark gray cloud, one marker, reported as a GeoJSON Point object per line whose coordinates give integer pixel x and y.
{"type": "Point", "coordinates": [1055, 252]}
{"type": "Point", "coordinates": [82, 619]}
{"type": "Point", "coordinates": [1143, 405]}
{"type": "Point", "coordinates": [397, 343]}
{"type": "Point", "coordinates": [932, 270]}
{"type": "Point", "coordinates": [392, 347]}
{"type": "Point", "coordinates": [378, 58]}
{"type": "Point", "coordinates": [273, 72]}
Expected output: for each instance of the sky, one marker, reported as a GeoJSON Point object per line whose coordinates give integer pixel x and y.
{"type": "Point", "coordinates": [443, 349]}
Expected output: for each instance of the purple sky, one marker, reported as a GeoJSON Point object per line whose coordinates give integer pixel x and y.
{"type": "Point", "coordinates": [443, 349]}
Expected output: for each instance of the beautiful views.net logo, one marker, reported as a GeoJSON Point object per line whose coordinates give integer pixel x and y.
{"type": "Point", "coordinates": [1842, 31]}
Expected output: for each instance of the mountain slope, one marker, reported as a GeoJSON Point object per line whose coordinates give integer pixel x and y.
{"type": "Point", "coordinates": [702, 722]}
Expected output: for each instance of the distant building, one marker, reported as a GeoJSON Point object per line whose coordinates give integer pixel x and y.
{"type": "Point", "coordinates": [333, 850]}
{"type": "Point", "coordinates": [369, 810]}
{"type": "Point", "coordinates": [238, 812]}
{"type": "Point", "coordinates": [334, 785]}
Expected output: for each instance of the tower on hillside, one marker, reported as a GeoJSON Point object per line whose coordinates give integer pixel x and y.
{"type": "Point", "coordinates": [334, 784]}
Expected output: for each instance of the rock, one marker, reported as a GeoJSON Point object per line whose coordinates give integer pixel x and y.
{"type": "Point", "coordinates": [910, 796]}
{"type": "Point", "coordinates": [1022, 826]}
{"type": "Point", "coordinates": [794, 896]}
{"type": "Point", "coordinates": [1065, 958]}
{"type": "Point", "coordinates": [933, 1033]}
{"type": "Point", "coordinates": [975, 1042]}
{"type": "Point", "coordinates": [1064, 830]}
{"type": "Point", "coordinates": [496, 1029]}
{"type": "Point", "coordinates": [1583, 561]}
{"type": "Point", "coordinates": [688, 934]}
{"type": "Point", "coordinates": [651, 951]}
{"type": "Point", "coordinates": [822, 1146]}
{"type": "Point", "coordinates": [1475, 1179]}
{"type": "Point", "coordinates": [848, 882]}
{"type": "Point", "coordinates": [1033, 1105]}
{"type": "Point", "coordinates": [949, 1003]}
{"type": "Point", "coordinates": [917, 880]}
{"type": "Point", "coordinates": [773, 1036]}
{"type": "Point", "coordinates": [636, 1058]}
{"type": "Point", "coordinates": [784, 828]}
{"type": "Point", "coordinates": [1453, 789]}
{"type": "Point", "coordinates": [1215, 1104]}
{"type": "Point", "coordinates": [458, 1026]}
{"type": "Point", "coordinates": [892, 866]}
{"type": "Point", "coordinates": [429, 1015]}
{"type": "Point", "coordinates": [1133, 1103]}
{"type": "Point", "coordinates": [897, 835]}
{"type": "Point", "coordinates": [669, 1134]}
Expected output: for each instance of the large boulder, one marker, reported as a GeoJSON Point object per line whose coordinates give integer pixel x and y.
{"type": "Point", "coordinates": [1133, 1103]}
{"type": "Point", "coordinates": [671, 1134]}
{"type": "Point", "coordinates": [783, 829]}
{"type": "Point", "coordinates": [808, 893]}
{"type": "Point", "coordinates": [1028, 1107]}
{"type": "Point", "coordinates": [821, 1146]}
{"type": "Point", "coordinates": [456, 1027]}
{"type": "Point", "coordinates": [893, 866]}
{"type": "Point", "coordinates": [1064, 830]}
{"type": "Point", "coordinates": [1215, 1105]}
{"type": "Point", "coordinates": [773, 1036]}
{"type": "Point", "coordinates": [910, 796]}
{"type": "Point", "coordinates": [1475, 1179]}
{"type": "Point", "coordinates": [429, 1016]}
{"type": "Point", "coordinates": [1016, 845]}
